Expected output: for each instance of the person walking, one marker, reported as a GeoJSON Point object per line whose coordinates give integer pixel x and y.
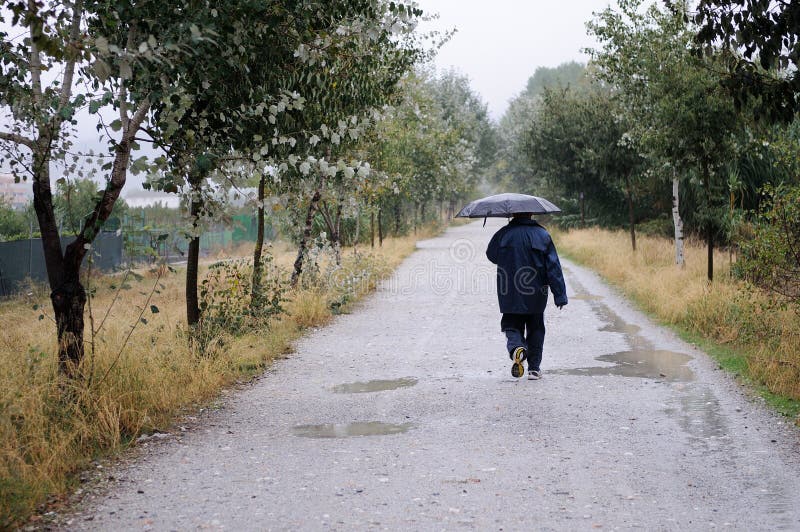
{"type": "Point", "coordinates": [527, 264]}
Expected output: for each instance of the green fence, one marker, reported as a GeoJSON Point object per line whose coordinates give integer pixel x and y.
{"type": "Point", "coordinates": [24, 259]}
{"type": "Point", "coordinates": [147, 242]}
{"type": "Point", "coordinates": [137, 242]}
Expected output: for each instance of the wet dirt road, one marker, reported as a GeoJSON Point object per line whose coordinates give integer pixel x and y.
{"type": "Point", "coordinates": [404, 415]}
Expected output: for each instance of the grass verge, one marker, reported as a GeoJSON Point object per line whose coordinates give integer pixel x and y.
{"type": "Point", "coordinates": [742, 328]}
{"type": "Point", "coordinates": [51, 429]}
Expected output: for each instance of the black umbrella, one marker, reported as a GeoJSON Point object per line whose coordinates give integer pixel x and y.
{"type": "Point", "coordinates": [504, 205]}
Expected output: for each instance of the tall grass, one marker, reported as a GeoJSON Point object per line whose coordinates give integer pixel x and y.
{"type": "Point", "coordinates": [727, 312]}
{"type": "Point", "coordinates": [51, 429]}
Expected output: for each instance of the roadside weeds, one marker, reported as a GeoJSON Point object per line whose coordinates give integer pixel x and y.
{"type": "Point", "coordinates": [47, 442]}
{"type": "Point", "coordinates": [743, 329]}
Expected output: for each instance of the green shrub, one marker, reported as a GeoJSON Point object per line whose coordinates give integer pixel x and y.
{"type": "Point", "coordinates": [227, 302]}
{"type": "Point", "coordinates": [771, 258]}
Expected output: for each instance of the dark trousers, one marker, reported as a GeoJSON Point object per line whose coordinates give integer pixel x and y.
{"type": "Point", "coordinates": [525, 330]}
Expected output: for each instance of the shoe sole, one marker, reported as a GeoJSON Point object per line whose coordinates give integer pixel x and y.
{"type": "Point", "coordinates": [517, 369]}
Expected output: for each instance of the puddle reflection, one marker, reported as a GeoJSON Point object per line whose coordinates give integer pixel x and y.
{"type": "Point", "coordinates": [348, 430]}
{"type": "Point", "coordinates": [375, 385]}
{"type": "Point", "coordinates": [642, 363]}
{"type": "Point", "coordinates": [697, 410]}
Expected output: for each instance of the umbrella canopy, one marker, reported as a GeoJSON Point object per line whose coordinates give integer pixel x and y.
{"type": "Point", "coordinates": [504, 205]}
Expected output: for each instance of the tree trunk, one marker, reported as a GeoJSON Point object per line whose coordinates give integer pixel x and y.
{"type": "Point", "coordinates": [372, 229]}
{"type": "Point", "coordinates": [337, 243]}
{"type": "Point", "coordinates": [69, 300]}
{"type": "Point", "coordinates": [380, 226]}
{"type": "Point", "coordinates": [255, 296]}
{"type": "Point", "coordinates": [709, 223]}
{"type": "Point", "coordinates": [678, 222]}
{"type": "Point", "coordinates": [63, 269]}
{"type": "Point", "coordinates": [333, 223]}
{"type": "Point", "coordinates": [731, 210]}
{"type": "Point", "coordinates": [710, 240]}
{"type": "Point", "coordinates": [68, 296]}
{"type": "Point", "coordinates": [48, 226]}
{"type": "Point", "coordinates": [301, 250]}
{"type": "Point", "coordinates": [192, 263]}
{"type": "Point", "coordinates": [397, 218]}
{"type": "Point", "coordinates": [631, 218]}
{"type": "Point", "coordinates": [358, 228]}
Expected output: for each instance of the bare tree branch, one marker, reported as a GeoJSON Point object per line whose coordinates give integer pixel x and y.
{"type": "Point", "coordinates": [19, 139]}
{"type": "Point", "coordinates": [69, 71]}
{"type": "Point", "coordinates": [136, 120]}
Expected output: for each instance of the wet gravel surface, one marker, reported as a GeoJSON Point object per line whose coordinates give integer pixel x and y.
{"type": "Point", "coordinates": [404, 415]}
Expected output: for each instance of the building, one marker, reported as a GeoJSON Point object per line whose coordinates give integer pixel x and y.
{"type": "Point", "coordinates": [18, 195]}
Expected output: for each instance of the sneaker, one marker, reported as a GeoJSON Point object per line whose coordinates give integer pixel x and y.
{"type": "Point", "coordinates": [534, 375]}
{"type": "Point", "coordinates": [520, 352]}
{"type": "Point", "coordinates": [517, 369]}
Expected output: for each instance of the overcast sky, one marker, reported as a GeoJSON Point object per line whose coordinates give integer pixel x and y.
{"type": "Point", "coordinates": [499, 43]}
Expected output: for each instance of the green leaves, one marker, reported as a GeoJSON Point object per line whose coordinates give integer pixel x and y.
{"type": "Point", "coordinates": [767, 35]}
{"type": "Point", "coordinates": [770, 257]}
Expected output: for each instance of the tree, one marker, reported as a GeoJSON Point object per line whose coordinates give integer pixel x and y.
{"type": "Point", "coordinates": [578, 143]}
{"type": "Point", "coordinates": [562, 146]}
{"type": "Point", "coordinates": [343, 92]}
{"type": "Point", "coordinates": [41, 107]}
{"type": "Point", "coordinates": [761, 45]}
{"type": "Point", "coordinates": [431, 148]}
{"type": "Point", "coordinates": [679, 112]}
{"type": "Point", "coordinates": [75, 199]}
{"type": "Point", "coordinates": [512, 168]}
{"type": "Point", "coordinates": [130, 56]}
{"type": "Point", "coordinates": [13, 223]}
{"type": "Point", "coordinates": [472, 137]}
{"type": "Point", "coordinates": [571, 74]}
{"type": "Point", "coordinates": [771, 260]}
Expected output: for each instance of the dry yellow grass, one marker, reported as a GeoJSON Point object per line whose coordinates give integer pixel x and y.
{"type": "Point", "coordinates": [726, 311]}
{"type": "Point", "coordinates": [49, 429]}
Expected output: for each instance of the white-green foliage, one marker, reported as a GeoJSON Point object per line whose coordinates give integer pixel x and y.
{"type": "Point", "coordinates": [436, 144]}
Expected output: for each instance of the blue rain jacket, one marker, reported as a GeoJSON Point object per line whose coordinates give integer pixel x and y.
{"type": "Point", "coordinates": [527, 264]}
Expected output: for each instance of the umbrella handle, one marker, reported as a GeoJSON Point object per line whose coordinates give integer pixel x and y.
{"type": "Point", "coordinates": [484, 221]}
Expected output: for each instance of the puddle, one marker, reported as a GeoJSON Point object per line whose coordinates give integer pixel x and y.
{"type": "Point", "coordinates": [700, 414]}
{"type": "Point", "coordinates": [642, 360]}
{"type": "Point", "coordinates": [696, 409]}
{"type": "Point", "coordinates": [624, 328]}
{"type": "Point", "coordinates": [616, 324]}
{"type": "Point", "coordinates": [374, 386]}
{"type": "Point", "coordinates": [642, 363]}
{"type": "Point", "coordinates": [348, 430]}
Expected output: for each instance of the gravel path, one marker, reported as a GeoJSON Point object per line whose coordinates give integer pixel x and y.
{"type": "Point", "coordinates": [404, 415]}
